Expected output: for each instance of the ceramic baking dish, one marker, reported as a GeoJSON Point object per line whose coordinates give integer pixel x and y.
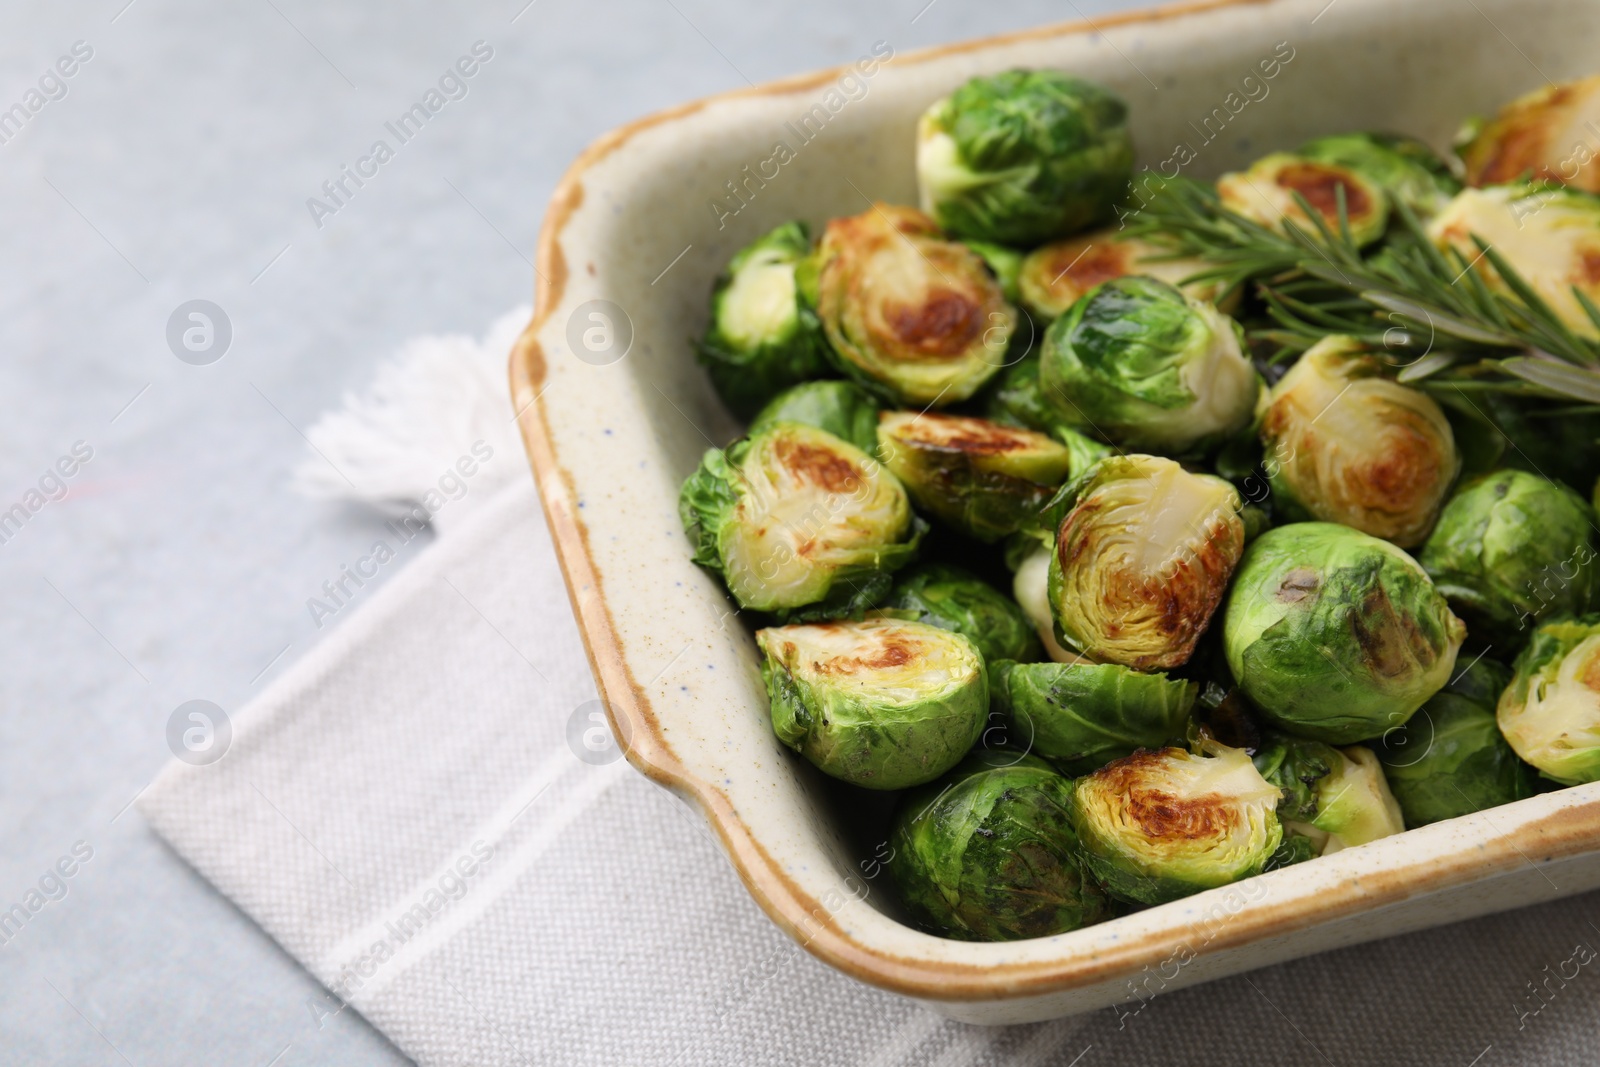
{"type": "Point", "coordinates": [615, 413]}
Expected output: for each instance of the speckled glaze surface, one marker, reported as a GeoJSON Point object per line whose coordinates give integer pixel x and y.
{"type": "Point", "coordinates": [614, 423]}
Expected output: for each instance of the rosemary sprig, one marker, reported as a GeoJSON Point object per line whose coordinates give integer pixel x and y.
{"type": "Point", "coordinates": [1430, 309]}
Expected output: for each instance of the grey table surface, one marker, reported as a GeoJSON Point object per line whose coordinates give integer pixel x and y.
{"type": "Point", "coordinates": [177, 167]}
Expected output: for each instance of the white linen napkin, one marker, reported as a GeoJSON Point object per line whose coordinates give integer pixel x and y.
{"type": "Point", "coordinates": [421, 812]}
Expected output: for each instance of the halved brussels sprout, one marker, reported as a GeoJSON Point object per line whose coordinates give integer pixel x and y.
{"type": "Point", "coordinates": [762, 339]}
{"type": "Point", "coordinates": [1142, 561]}
{"type": "Point", "coordinates": [881, 703]}
{"type": "Point", "coordinates": [1055, 276]}
{"type": "Point", "coordinates": [1345, 444]}
{"type": "Point", "coordinates": [1547, 135]}
{"type": "Point", "coordinates": [793, 516]}
{"type": "Point", "coordinates": [989, 854]}
{"type": "Point", "coordinates": [1159, 825]}
{"type": "Point", "coordinates": [1510, 550]}
{"type": "Point", "coordinates": [844, 409]}
{"type": "Point", "coordinates": [1265, 194]}
{"type": "Point", "coordinates": [1337, 798]}
{"type": "Point", "coordinates": [1138, 363]}
{"type": "Point", "coordinates": [1335, 635]}
{"type": "Point", "coordinates": [1023, 156]}
{"type": "Point", "coordinates": [1404, 167]}
{"type": "Point", "coordinates": [1550, 713]}
{"type": "Point", "coordinates": [1082, 716]}
{"type": "Point", "coordinates": [1031, 588]}
{"type": "Point", "coordinates": [980, 477]}
{"type": "Point", "coordinates": [953, 599]}
{"type": "Point", "coordinates": [1450, 759]}
{"type": "Point", "coordinates": [910, 315]}
{"type": "Point", "coordinates": [1549, 236]}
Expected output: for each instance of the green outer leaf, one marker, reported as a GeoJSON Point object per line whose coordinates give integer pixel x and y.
{"type": "Point", "coordinates": [1004, 263]}
{"type": "Point", "coordinates": [876, 742]}
{"type": "Point", "coordinates": [1082, 716]}
{"type": "Point", "coordinates": [1511, 549]}
{"type": "Point", "coordinates": [747, 377]}
{"type": "Point", "coordinates": [1335, 635]}
{"type": "Point", "coordinates": [707, 501]}
{"type": "Point", "coordinates": [842, 408]}
{"type": "Point", "coordinates": [1295, 766]}
{"type": "Point", "coordinates": [954, 599]}
{"type": "Point", "coordinates": [1040, 155]}
{"type": "Point", "coordinates": [1450, 758]}
{"type": "Point", "coordinates": [989, 854]}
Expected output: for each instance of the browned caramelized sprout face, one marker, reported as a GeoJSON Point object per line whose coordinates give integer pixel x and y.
{"type": "Point", "coordinates": [1345, 444]}
{"type": "Point", "coordinates": [1056, 276]}
{"type": "Point", "coordinates": [980, 477]}
{"type": "Point", "coordinates": [1266, 194]}
{"type": "Point", "coordinates": [1159, 825]}
{"type": "Point", "coordinates": [915, 317]}
{"type": "Point", "coordinates": [1549, 236]}
{"type": "Point", "coordinates": [1142, 561]}
{"type": "Point", "coordinates": [1547, 135]}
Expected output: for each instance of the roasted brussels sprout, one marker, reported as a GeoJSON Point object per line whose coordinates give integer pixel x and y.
{"type": "Point", "coordinates": [1082, 716]}
{"type": "Point", "coordinates": [793, 516]}
{"type": "Point", "coordinates": [1335, 635]}
{"type": "Point", "coordinates": [911, 316]}
{"type": "Point", "coordinates": [1404, 167]}
{"type": "Point", "coordinates": [1159, 825]}
{"type": "Point", "coordinates": [1023, 156]}
{"type": "Point", "coordinates": [1335, 797]}
{"type": "Point", "coordinates": [881, 703]}
{"type": "Point", "coordinates": [1549, 236]}
{"type": "Point", "coordinates": [1512, 549]}
{"type": "Point", "coordinates": [980, 477]}
{"type": "Point", "coordinates": [988, 853]}
{"type": "Point", "coordinates": [1142, 561]}
{"type": "Point", "coordinates": [762, 339]}
{"type": "Point", "coordinates": [1550, 713]}
{"type": "Point", "coordinates": [1265, 193]}
{"type": "Point", "coordinates": [844, 409]}
{"type": "Point", "coordinates": [1450, 759]}
{"type": "Point", "coordinates": [1138, 363]}
{"type": "Point", "coordinates": [1546, 135]}
{"type": "Point", "coordinates": [1345, 444]}
{"type": "Point", "coordinates": [953, 599]}
{"type": "Point", "coordinates": [1055, 276]}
